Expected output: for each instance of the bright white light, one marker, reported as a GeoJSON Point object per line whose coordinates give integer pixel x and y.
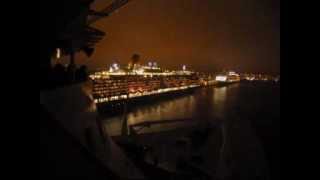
{"type": "Point", "coordinates": [115, 66]}
{"type": "Point", "coordinates": [149, 64]}
{"type": "Point", "coordinates": [58, 55]}
{"type": "Point", "coordinates": [184, 67]}
{"type": "Point", "coordinates": [221, 78]}
{"type": "Point", "coordinates": [140, 71]}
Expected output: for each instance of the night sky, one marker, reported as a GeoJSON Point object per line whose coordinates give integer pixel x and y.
{"type": "Point", "coordinates": [206, 35]}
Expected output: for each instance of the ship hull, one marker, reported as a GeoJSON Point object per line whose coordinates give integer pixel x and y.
{"type": "Point", "coordinates": [117, 107]}
{"type": "Point", "coordinates": [220, 84]}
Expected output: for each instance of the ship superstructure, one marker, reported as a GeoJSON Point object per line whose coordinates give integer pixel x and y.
{"type": "Point", "coordinates": [118, 84]}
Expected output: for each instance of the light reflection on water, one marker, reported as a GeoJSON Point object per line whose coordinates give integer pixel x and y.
{"type": "Point", "coordinates": [219, 98]}
{"type": "Point", "coordinates": [204, 104]}
{"type": "Point", "coordinates": [179, 108]}
{"type": "Point", "coordinates": [247, 112]}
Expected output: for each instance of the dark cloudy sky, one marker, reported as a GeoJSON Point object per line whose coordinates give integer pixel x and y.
{"type": "Point", "coordinates": [207, 35]}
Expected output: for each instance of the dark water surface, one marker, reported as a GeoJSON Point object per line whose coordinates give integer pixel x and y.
{"type": "Point", "coordinates": [248, 117]}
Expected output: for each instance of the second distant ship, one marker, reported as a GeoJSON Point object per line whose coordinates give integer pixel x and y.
{"type": "Point", "coordinates": [226, 78]}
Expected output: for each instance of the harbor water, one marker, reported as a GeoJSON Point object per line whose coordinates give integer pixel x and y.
{"type": "Point", "coordinates": [247, 115]}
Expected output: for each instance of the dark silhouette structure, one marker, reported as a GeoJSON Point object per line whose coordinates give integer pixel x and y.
{"type": "Point", "coordinates": [134, 61]}
{"type": "Point", "coordinates": [63, 25]}
{"type": "Point", "coordinates": [62, 156]}
{"type": "Point", "coordinates": [59, 73]}
{"type": "Point", "coordinates": [81, 73]}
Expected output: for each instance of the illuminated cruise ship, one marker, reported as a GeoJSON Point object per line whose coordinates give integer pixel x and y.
{"type": "Point", "coordinates": [116, 86]}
